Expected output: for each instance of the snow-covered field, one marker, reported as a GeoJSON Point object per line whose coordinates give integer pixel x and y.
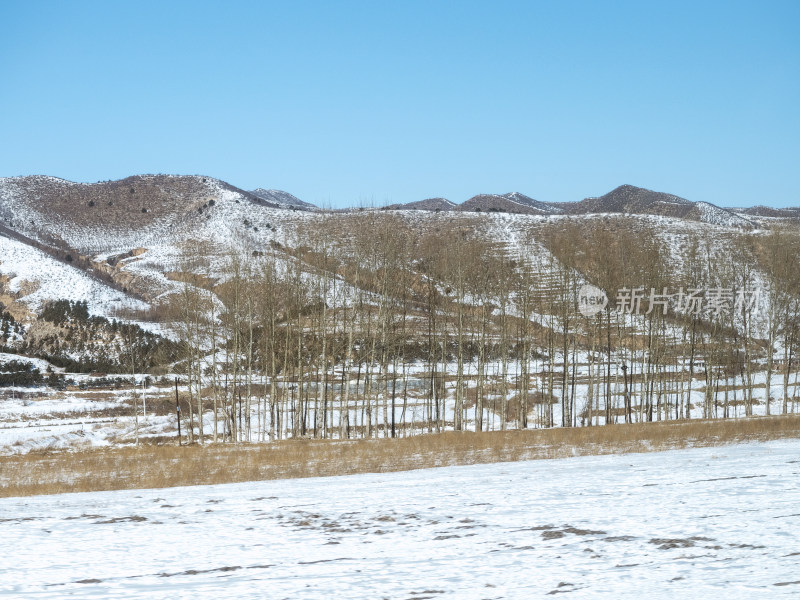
{"type": "Point", "coordinates": [47, 419]}
{"type": "Point", "coordinates": [43, 418]}
{"type": "Point", "coordinates": [699, 523]}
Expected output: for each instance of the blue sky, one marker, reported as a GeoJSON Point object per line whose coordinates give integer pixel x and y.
{"type": "Point", "coordinates": [348, 103]}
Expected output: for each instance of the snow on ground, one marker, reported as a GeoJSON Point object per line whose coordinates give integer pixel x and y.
{"type": "Point", "coordinates": [77, 431]}
{"type": "Point", "coordinates": [705, 522]}
{"type": "Point", "coordinates": [36, 418]}
{"type": "Point", "coordinates": [49, 279]}
{"type": "Point", "coordinates": [47, 419]}
{"type": "Point", "coordinates": [38, 363]}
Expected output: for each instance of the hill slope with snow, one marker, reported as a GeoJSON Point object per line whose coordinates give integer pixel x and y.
{"type": "Point", "coordinates": [282, 199]}
{"type": "Point", "coordinates": [127, 236]}
{"type": "Point", "coordinates": [629, 199]}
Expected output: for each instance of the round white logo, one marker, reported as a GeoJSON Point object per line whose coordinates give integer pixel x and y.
{"type": "Point", "coordinates": [591, 300]}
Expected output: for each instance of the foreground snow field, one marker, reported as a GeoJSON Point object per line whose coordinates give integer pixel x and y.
{"type": "Point", "coordinates": [705, 522]}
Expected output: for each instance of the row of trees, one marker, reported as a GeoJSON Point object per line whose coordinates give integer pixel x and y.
{"type": "Point", "coordinates": [734, 319]}
{"type": "Point", "coordinates": [366, 325]}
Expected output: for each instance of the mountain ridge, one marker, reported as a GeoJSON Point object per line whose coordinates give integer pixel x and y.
{"type": "Point", "coordinates": [283, 199]}
{"type": "Point", "coordinates": [624, 199]}
{"type": "Point", "coordinates": [187, 190]}
{"type": "Point", "coordinates": [131, 238]}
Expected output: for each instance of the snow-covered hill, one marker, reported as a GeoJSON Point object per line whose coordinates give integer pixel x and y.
{"type": "Point", "coordinates": [131, 232]}
{"type": "Point", "coordinates": [632, 200]}
{"type": "Point", "coordinates": [31, 277]}
{"type": "Point", "coordinates": [117, 242]}
{"type": "Point", "coordinates": [431, 204]}
{"type": "Point", "coordinates": [282, 199]}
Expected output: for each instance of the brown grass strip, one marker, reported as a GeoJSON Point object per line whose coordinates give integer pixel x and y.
{"type": "Point", "coordinates": [158, 466]}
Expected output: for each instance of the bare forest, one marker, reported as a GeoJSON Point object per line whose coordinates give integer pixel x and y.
{"type": "Point", "coordinates": [368, 324]}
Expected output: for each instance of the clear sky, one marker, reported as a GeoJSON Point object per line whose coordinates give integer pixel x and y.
{"type": "Point", "coordinates": [347, 103]}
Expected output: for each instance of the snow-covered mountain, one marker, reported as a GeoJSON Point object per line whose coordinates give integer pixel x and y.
{"type": "Point", "coordinates": [430, 204]}
{"type": "Point", "coordinates": [792, 212]}
{"type": "Point", "coordinates": [513, 202]}
{"type": "Point", "coordinates": [629, 199]}
{"type": "Point", "coordinates": [282, 199]}
{"type": "Point", "coordinates": [105, 216]}
{"type": "Point", "coordinates": [542, 207]}
{"type": "Point", "coordinates": [625, 199]}
{"type": "Point", "coordinates": [127, 234]}
{"type": "Point", "coordinates": [67, 239]}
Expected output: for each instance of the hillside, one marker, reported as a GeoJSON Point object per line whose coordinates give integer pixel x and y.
{"type": "Point", "coordinates": [106, 216]}
{"type": "Point", "coordinates": [429, 204]}
{"type": "Point", "coordinates": [766, 211]}
{"type": "Point", "coordinates": [510, 203]}
{"type": "Point", "coordinates": [127, 234]}
{"type": "Point", "coordinates": [445, 309]}
{"type": "Point", "coordinates": [625, 199]}
{"type": "Point", "coordinates": [629, 199]}
{"type": "Point", "coordinates": [280, 199]}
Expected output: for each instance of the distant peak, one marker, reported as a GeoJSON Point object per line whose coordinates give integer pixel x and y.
{"type": "Point", "coordinates": [282, 198]}
{"type": "Point", "coordinates": [429, 204]}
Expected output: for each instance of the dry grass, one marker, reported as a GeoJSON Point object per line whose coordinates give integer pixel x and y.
{"type": "Point", "coordinates": [168, 465]}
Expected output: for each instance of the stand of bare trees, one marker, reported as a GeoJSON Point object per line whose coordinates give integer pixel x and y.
{"type": "Point", "coordinates": [366, 325]}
